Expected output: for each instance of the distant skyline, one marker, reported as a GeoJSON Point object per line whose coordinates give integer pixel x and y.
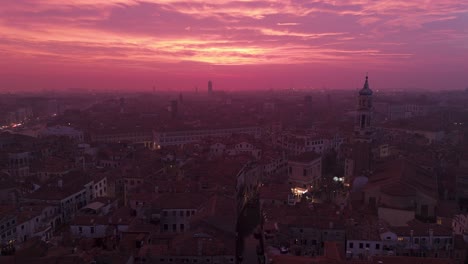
{"type": "Point", "coordinates": [267, 44]}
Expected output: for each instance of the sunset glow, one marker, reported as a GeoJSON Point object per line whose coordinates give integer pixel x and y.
{"type": "Point", "coordinates": [136, 44]}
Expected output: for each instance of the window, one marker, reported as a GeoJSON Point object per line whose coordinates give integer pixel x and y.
{"type": "Point", "coordinates": [182, 227]}
{"type": "Point", "coordinates": [367, 245]}
{"type": "Point", "coordinates": [182, 213]}
{"type": "Point", "coordinates": [92, 230]}
{"type": "Point", "coordinates": [174, 213]}
{"type": "Point", "coordinates": [80, 229]}
{"type": "Point", "coordinates": [174, 227]}
{"type": "Point", "coordinates": [351, 244]}
{"type": "Point", "coordinates": [416, 240]}
{"type": "Point", "coordinates": [377, 246]}
{"type": "Point", "coordinates": [361, 245]}
{"type": "Point", "coordinates": [304, 173]}
{"type": "Point", "coordinates": [166, 227]}
{"type": "Point", "coordinates": [165, 213]}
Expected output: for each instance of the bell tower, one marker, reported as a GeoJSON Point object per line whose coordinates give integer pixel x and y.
{"type": "Point", "coordinates": [363, 122]}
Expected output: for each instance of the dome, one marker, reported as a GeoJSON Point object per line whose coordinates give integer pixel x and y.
{"type": "Point", "coordinates": [366, 90]}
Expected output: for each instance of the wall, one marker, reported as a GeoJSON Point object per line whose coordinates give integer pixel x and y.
{"type": "Point", "coordinates": [395, 217]}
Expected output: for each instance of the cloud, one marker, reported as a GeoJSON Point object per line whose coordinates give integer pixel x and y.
{"type": "Point", "coordinates": [151, 33]}
{"type": "Point", "coordinates": [287, 24]}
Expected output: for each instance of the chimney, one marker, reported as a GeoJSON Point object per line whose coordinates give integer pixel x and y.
{"type": "Point", "coordinates": [431, 236]}
{"type": "Point", "coordinates": [411, 236]}
{"type": "Point", "coordinates": [200, 246]}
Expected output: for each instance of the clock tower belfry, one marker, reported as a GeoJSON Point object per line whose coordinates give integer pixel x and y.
{"type": "Point", "coordinates": [363, 128]}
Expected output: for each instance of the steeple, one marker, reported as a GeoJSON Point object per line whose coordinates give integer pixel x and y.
{"type": "Point", "coordinates": [365, 89]}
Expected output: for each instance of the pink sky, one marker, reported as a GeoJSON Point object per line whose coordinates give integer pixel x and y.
{"type": "Point", "coordinates": [180, 44]}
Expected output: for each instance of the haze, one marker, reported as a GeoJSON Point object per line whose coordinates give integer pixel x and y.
{"type": "Point", "coordinates": [176, 44]}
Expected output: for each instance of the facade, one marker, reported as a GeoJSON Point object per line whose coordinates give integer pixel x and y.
{"type": "Point", "coordinates": [174, 210]}
{"type": "Point", "coordinates": [137, 136]}
{"type": "Point", "coordinates": [91, 227]}
{"type": "Point", "coordinates": [8, 222]}
{"type": "Point", "coordinates": [99, 188]}
{"type": "Point", "coordinates": [305, 171]}
{"type": "Point", "coordinates": [403, 185]}
{"type": "Point", "coordinates": [404, 111]}
{"type": "Point", "coordinates": [68, 196]}
{"type": "Point", "coordinates": [37, 221]}
{"type": "Point", "coordinates": [18, 164]}
{"type": "Point", "coordinates": [65, 131]}
{"type": "Point", "coordinates": [182, 137]}
{"type": "Point", "coordinates": [297, 143]}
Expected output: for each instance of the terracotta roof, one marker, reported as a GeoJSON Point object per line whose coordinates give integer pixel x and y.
{"type": "Point", "coordinates": [275, 191]}
{"type": "Point", "coordinates": [218, 212]}
{"type": "Point", "coordinates": [421, 229]}
{"type": "Point", "coordinates": [180, 200]}
{"type": "Point", "coordinates": [402, 178]}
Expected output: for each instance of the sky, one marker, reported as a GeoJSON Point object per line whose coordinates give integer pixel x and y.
{"type": "Point", "coordinates": [243, 44]}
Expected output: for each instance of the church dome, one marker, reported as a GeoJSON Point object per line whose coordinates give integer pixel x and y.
{"type": "Point", "coordinates": [366, 90]}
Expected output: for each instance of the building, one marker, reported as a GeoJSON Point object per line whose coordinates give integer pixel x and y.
{"type": "Point", "coordinates": [174, 211]}
{"type": "Point", "coordinates": [18, 163]}
{"type": "Point", "coordinates": [420, 240]}
{"type": "Point", "coordinates": [65, 131]}
{"type": "Point", "coordinates": [403, 187]}
{"type": "Point", "coordinates": [8, 221]}
{"type": "Point", "coordinates": [305, 172]}
{"type": "Point", "coordinates": [36, 220]}
{"type": "Point", "coordinates": [182, 137]}
{"type": "Point", "coordinates": [69, 193]}
{"type": "Point", "coordinates": [358, 154]}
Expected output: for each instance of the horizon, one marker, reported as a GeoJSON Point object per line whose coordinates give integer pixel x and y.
{"type": "Point", "coordinates": [135, 45]}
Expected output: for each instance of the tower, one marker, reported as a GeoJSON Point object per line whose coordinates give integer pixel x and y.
{"type": "Point", "coordinates": [363, 123]}
{"type": "Point", "coordinates": [210, 87]}
{"type": "Point", "coordinates": [122, 105]}
{"type": "Point", "coordinates": [174, 109]}
{"type": "Point", "coordinates": [358, 161]}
